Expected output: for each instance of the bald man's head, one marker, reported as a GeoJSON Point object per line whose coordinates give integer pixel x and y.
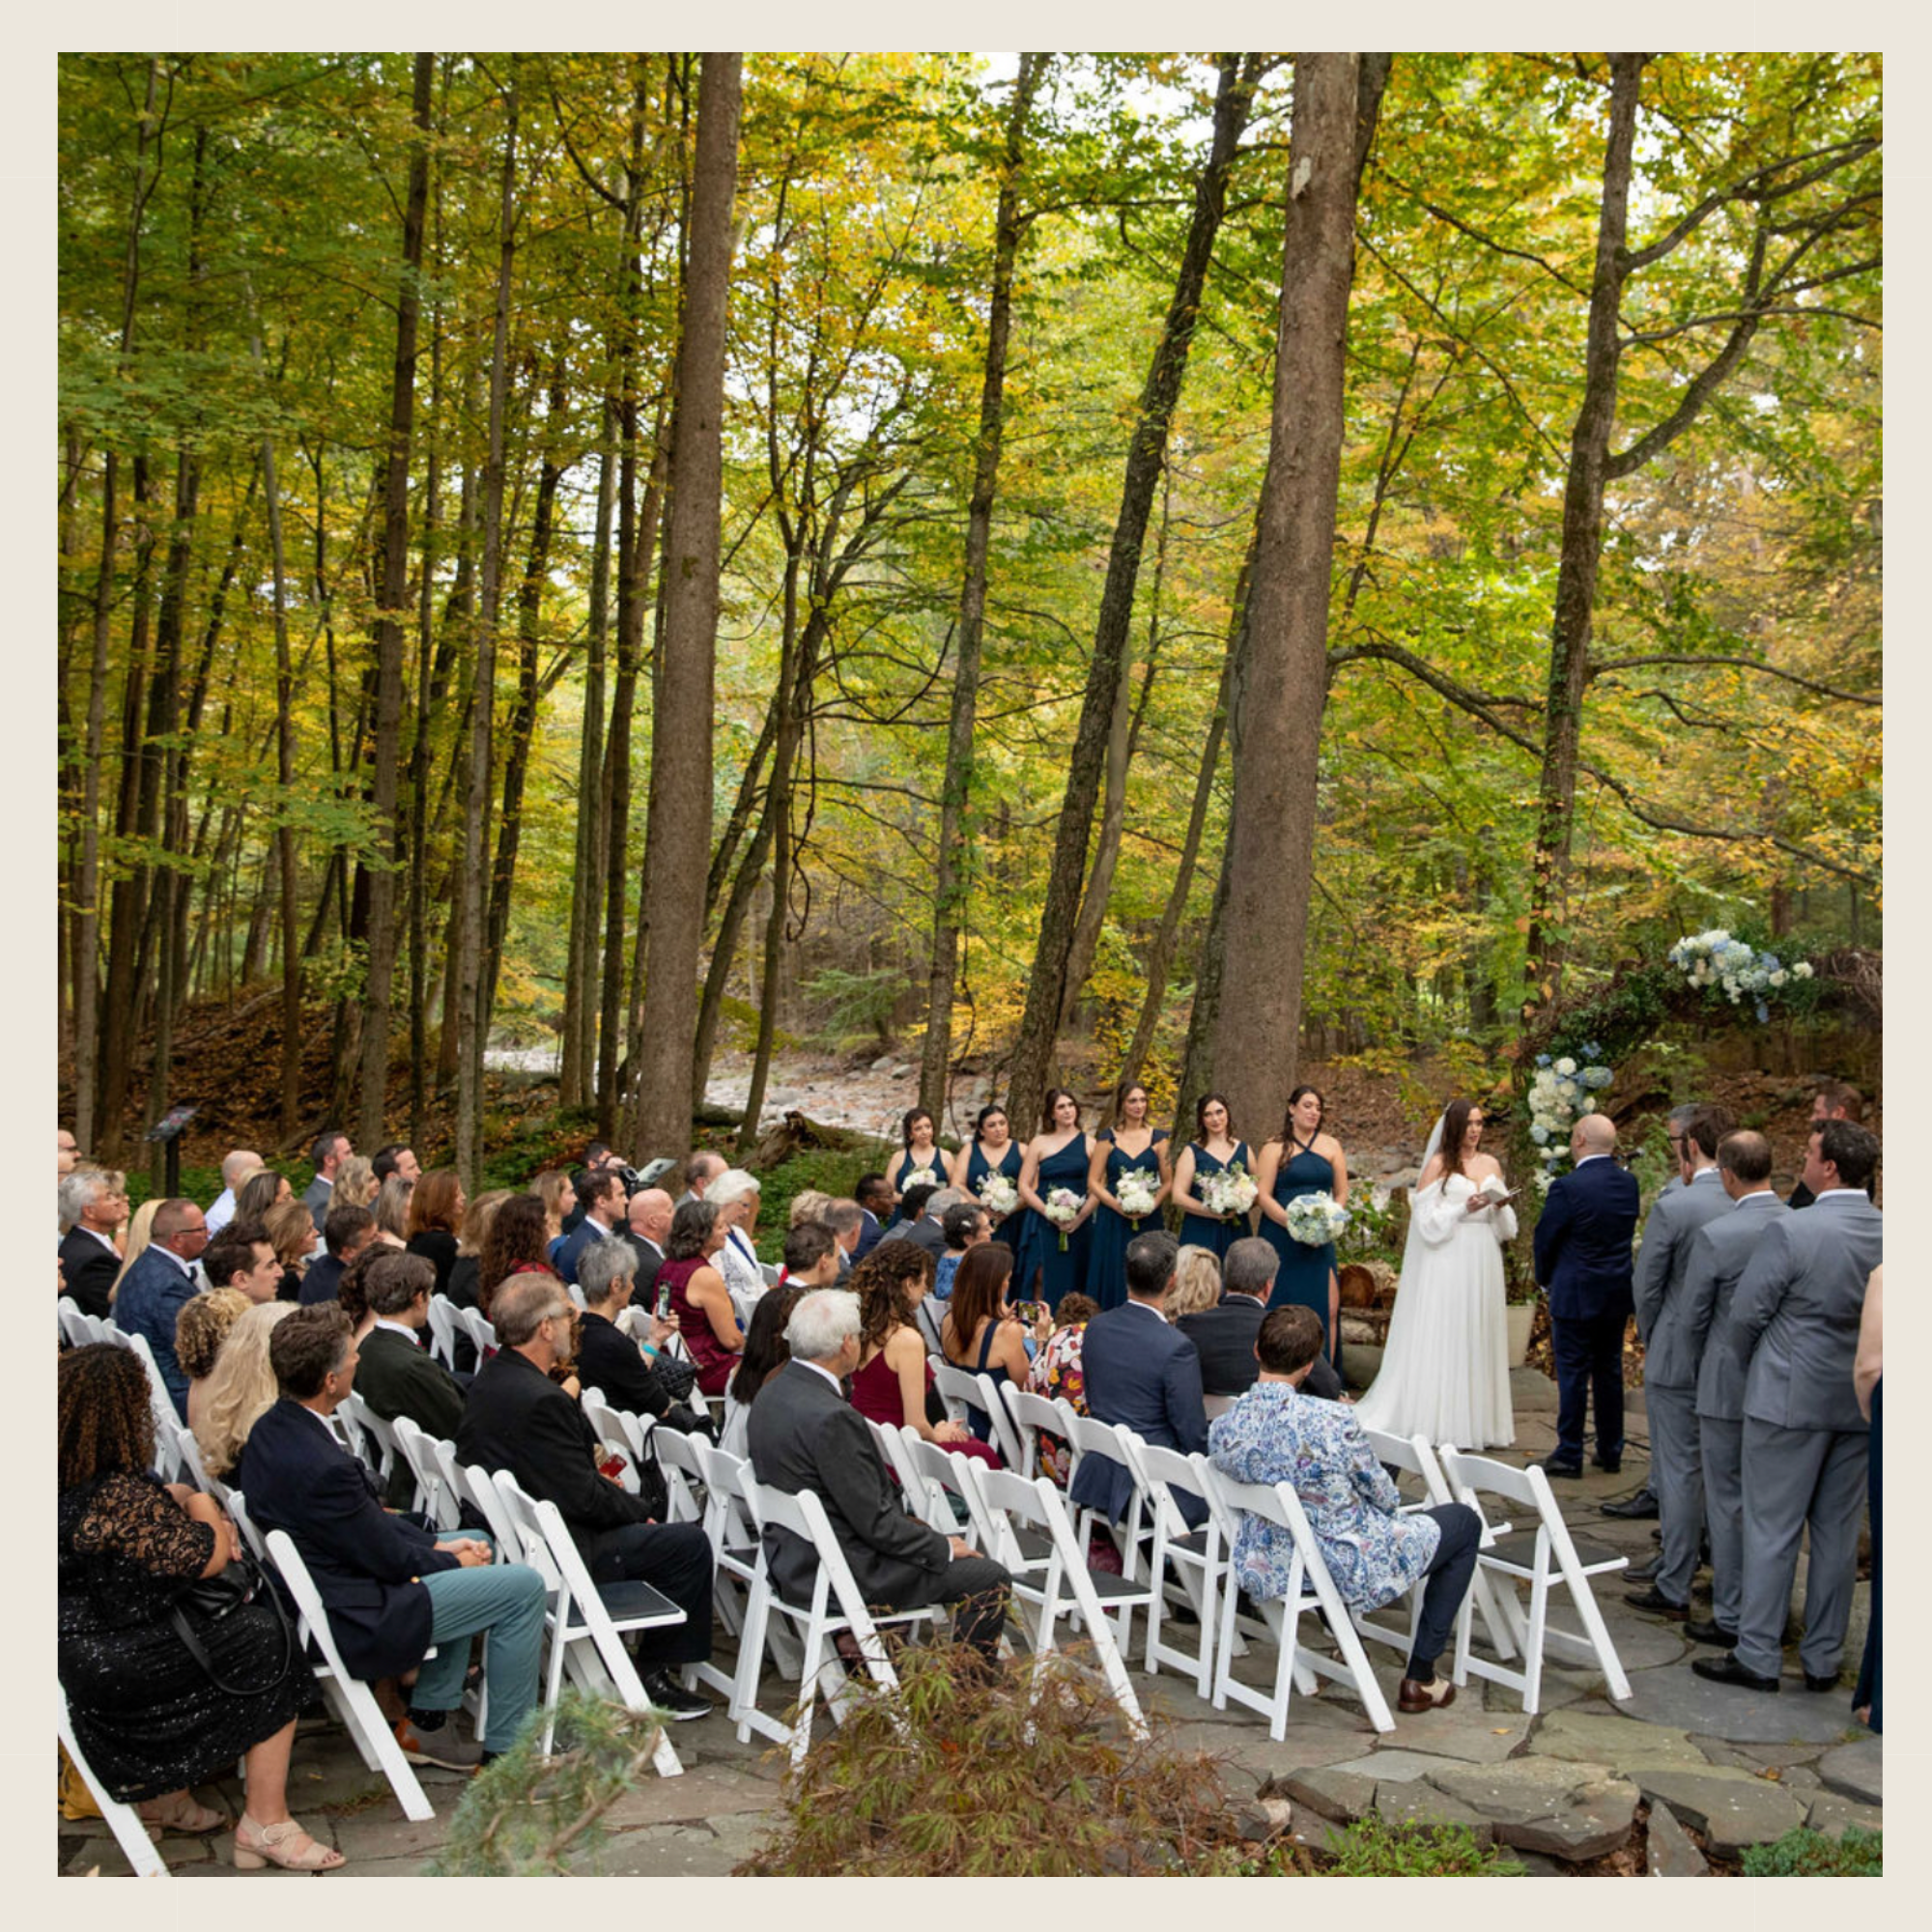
{"type": "Point", "coordinates": [238, 1166]}
{"type": "Point", "coordinates": [650, 1215]}
{"type": "Point", "coordinates": [1593, 1134]}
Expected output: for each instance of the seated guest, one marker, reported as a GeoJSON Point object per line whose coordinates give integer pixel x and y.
{"type": "Point", "coordinates": [1197, 1282]}
{"type": "Point", "coordinates": [765, 1355]}
{"type": "Point", "coordinates": [356, 1184]}
{"type": "Point", "coordinates": [919, 1222]}
{"type": "Point", "coordinates": [808, 1204]}
{"type": "Point", "coordinates": [93, 1205]}
{"type": "Point", "coordinates": [604, 1208]}
{"type": "Point", "coordinates": [463, 1273]}
{"type": "Point", "coordinates": [398, 1376]}
{"type": "Point", "coordinates": [151, 1294]}
{"type": "Point", "coordinates": [876, 1197]}
{"type": "Point", "coordinates": [964, 1224]}
{"type": "Point", "coordinates": [892, 1383]}
{"type": "Point", "coordinates": [330, 1149]}
{"type": "Point", "coordinates": [351, 1292]}
{"type": "Point", "coordinates": [558, 1189]}
{"type": "Point", "coordinates": [514, 1245]}
{"type": "Point", "coordinates": [847, 1221]}
{"type": "Point", "coordinates": [435, 1219]}
{"type": "Point", "coordinates": [235, 1167]}
{"type": "Point", "coordinates": [293, 1245]}
{"type": "Point", "coordinates": [698, 1298]}
{"type": "Point", "coordinates": [647, 1227]}
{"type": "Point", "coordinates": [810, 1256]}
{"type": "Point", "coordinates": [345, 1233]}
{"type": "Point", "coordinates": [1057, 1375]}
{"type": "Point", "coordinates": [736, 1195]}
{"type": "Point", "coordinates": [1276, 1434]}
{"type": "Point", "coordinates": [978, 1331]}
{"type": "Point", "coordinates": [1223, 1332]}
{"type": "Point", "coordinates": [244, 1257]}
{"type": "Point", "coordinates": [1142, 1372]}
{"type": "Point", "coordinates": [699, 1172]}
{"type": "Point", "coordinates": [391, 1588]}
{"type": "Point", "coordinates": [607, 1358]}
{"type": "Point", "coordinates": [264, 1189]}
{"type": "Point", "coordinates": [199, 1329]}
{"type": "Point", "coordinates": [241, 1389]}
{"type": "Point", "coordinates": [391, 1209]}
{"type": "Point", "coordinates": [152, 1718]}
{"type": "Point", "coordinates": [804, 1435]}
{"type": "Point", "coordinates": [515, 1418]}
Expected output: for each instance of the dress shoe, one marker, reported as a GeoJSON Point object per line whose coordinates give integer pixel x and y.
{"type": "Point", "coordinates": [1552, 1467]}
{"type": "Point", "coordinates": [1830, 1683]}
{"type": "Point", "coordinates": [1645, 1572]}
{"type": "Point", "coordinates": [1634, 1509]}
{"type": "Point", "coordinates": [1708, 1629]}
{"type": "Point", "coordinates": [1611, 1465]}
{"type": "Point", "coordinates": [1655, 1600]}
{"type": "Point", "coordinates": [1727, 1669]}
{"type": "Point", "coordinates": [1437, 1694]}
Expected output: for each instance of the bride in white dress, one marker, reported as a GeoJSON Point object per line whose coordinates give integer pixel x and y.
{"type": "Point", "coordinates": [1446, 1371]}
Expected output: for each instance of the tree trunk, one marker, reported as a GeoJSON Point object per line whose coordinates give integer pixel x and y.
{"type": "Point", "coordinates": [678, 842]}
{"type": "Point", "coordinates": [1272, 841]}
{"type": "Point", "coordinates": [953, 874]}
{"type": "Point", "coordinates": [1046, 986]}
{"type": "Point", "coordinates": [395, 580]}
{"type": "Point", "coordinates": [1583, 551]}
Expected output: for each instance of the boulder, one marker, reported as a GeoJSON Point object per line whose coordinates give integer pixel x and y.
{"type": "Point", "coordinates": [1592, 1737]}
{"type": "Point", "coordinates": [1732, 1809]}
{"type": "Point", "coordinates": [1341, 1795]}
{"type": "Point", "coordinates": [1672, 1854]}
{"type": "Point", "coordinates": [1407, 1802]}
{"type": "Point", "coordinates": [1569, 1811]}
{"type": "Point", "coordinates": [1264, 1818]}
{"type": "Point", "coordinates": [1831, 1814]}
{"type": "Point", "coordinates": [1855, 1771]}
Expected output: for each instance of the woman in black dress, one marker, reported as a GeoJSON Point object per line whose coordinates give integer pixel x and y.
{"type": "Point", "coordinates": [150, 1719]}
{"type": "Point", "coordinates": [437, 1207]}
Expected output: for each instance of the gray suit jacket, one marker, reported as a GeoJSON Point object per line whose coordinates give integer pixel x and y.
{"type": "Point", "coordinates": [804, 1435]}
{"type": "Point", "coordinates": [1718, 1258]}
{"type": "Point", "coordinates": [316, 1197]}
{"type": "Point", "coordinates": [1674, 1221]}
{"type": "Point", "coordinates": [1794, 1319]}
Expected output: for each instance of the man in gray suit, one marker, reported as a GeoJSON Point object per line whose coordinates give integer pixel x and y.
{"type": "Point", "coordinates": [1670, 1365]}
{"type": "Point", "coordinates": [805, 1434]}
{"type": "Point", "coordinates": [1717, 1259]}
{"type": "Point", "coordinates": [1794, 1324]}
{"type": "Point", "coordinates": [331, 1149]}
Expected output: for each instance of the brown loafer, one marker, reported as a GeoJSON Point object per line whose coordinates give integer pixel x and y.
{"type": "Point", "coordinates": [1435, 1695]}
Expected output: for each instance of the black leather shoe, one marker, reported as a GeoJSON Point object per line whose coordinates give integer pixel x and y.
{"type": "Point", "coordinates": [1708, 1629]}
{"type": "Point", "coordinates": [1611, 1465]}
{"type": "Point", "coordinates": [1830, 1683]}
{"type": "Point", "coordinates": [1634, 1509]}
{"type": "Point", "coordinates": [1550, 1467]}
{"type": "Point", "coordinates": [1654, 1600]}
{"type": "Point", "coordinates": [1729, 1670]}
{"type": "Point", "coordinates": [1645, 1572]}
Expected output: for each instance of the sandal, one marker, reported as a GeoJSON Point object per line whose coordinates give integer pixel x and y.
{"type": "Point", "coordinates": [181, 1813]}
{"type": "Point", "coordinates": [285, 1844]}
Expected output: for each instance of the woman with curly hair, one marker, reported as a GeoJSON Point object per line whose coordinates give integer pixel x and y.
{"type": "Point", "coordinates": [242, 1388]}
{"type": "Point", "coordinates": [892, 1383]}
{"type": "Point", "coordinates": [516, 1244]}
{"type": "Point", "coordinates": [437, 1207]}
{"type": "Point", "coordinates": [199, 1329]}
{"type": "Point", "coordinates": [356, 1184]}
{"type": "Point", "coordinates": [151, 1719]}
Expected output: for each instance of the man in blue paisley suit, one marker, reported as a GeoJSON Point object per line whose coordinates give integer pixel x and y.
{"type": "Point", "coordinates": [1275, 1434]}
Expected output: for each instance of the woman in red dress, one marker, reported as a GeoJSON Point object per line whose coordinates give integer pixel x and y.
{"type": "Point", "coordinates": [894, 1377]}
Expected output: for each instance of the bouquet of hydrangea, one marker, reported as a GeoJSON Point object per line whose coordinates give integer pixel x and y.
{"type": "Point", "coordinates": [1136, 1193]}
{"type": "Point", "coordinates": [1063, 1210]}
{"type": "Point", "coordinates": [1560, 1094]}
{"type": "Point", "coordinates": [1316, 1219]}
{"type": "Point", "coordinates": [918, 1177]}
{"type": "Point", "coordinates": [1716, 959]}
{"type": "Point", "coordinates": [1230, 1193]}
{"type": "Point", "coordinates": [998, 1195]}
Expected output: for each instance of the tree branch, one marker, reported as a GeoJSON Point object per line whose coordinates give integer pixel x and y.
{"type": "Point", "coordinates": [1598, 665]}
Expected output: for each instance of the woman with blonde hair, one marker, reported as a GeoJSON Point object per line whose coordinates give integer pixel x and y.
{"type": "Point", "coordinates": [475, 1230]}
{"type": "Point", "coordinates": [392, 1212]}
{"type": "Point", "coordinates": [354, 1182]}
{"type": "Point", "coordinates": [240, 1388]}
{"type": "Point", "coordinates": [141, 1232]}
{"type": "Point", "coordinates": [199, 1329]}
{"type": "Point", "coordinates": [809, 1205]}
{"type": "Point", "coordinates": [1197, 1283]}
{"type": "Point", "coordinates": [553, 1188]}
{"type": "Point", "coordinates": [292, 1234]}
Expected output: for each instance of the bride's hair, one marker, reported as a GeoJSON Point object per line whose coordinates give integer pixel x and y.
{"type": "Point", "coordinates": [1287, 1119]}
{"type": "Point", "coordinates": [1454, 1128]}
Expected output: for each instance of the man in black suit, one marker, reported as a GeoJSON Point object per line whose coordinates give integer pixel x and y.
{"type": "Point", "coordinates": [922, 1221]}
{"type": "Point", "coordinates": [398, 1376]}
{"type": "Point", "coordinates": [1224, 1335]}
{"type": "Point", "coordinates": [1141, 1370]}
{"type": "Point", "coordinates": [602, 1193]}
{"type": "Point", "coordinates": [805, 1434]}
{"type": "Point", "coordinates": [515, 1418]}
{"type": "Point", "coordinates": [1582, 1250]}
{"type": "Point", "coordinates": [875, 1198]}
{"type": "Point", "coordinates": [647, 1227]}
{"type": "Point", "coordinates": [391, 1588]}
{"type": "Point", "coordinates": [1834, 1100]}
{"type": "Point", "coordinates": [93, 1203]}
{"type": "Point", "coordinates": [344, 1234]}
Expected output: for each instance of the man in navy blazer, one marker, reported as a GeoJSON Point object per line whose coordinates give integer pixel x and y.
{"type": "Point", "coordinates": [160, 1282]}
{"type": "Point", "coordinates": [1582, 1248]}
{"type": "Point", "coordinates": [390, 1587]}
{"type": "Point", "coordinates": [1142, 1371]}
{"type": "Point", "coordinates": [604, 1208]}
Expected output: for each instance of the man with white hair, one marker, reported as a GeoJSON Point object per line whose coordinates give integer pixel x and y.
{"type": "Point", "coordinates": [236, 1168]}
{"type": "Point", "coordinates": [93, 1204]}
{"type": "Point", "coordinates": [805, 1434]}
{"type": "Point", "coordinates": [699, 1172]}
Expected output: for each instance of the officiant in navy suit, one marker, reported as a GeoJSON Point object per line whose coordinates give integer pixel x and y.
{"type": "Point", "coordinates": [1582, 1249]}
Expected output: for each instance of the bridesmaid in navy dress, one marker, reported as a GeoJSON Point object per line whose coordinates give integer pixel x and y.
{"type": "Point", "coordinates": [920, 1156]}
{"type": "Point", "coordinates": [1056, 1156]}
{"type": "Point", "coordinates": [1215, 1151]}
{"type": "Point", "coordinates": [1130, 1145]}
{"type": "Point", "coordinates": [1303, 1160]}
{"type": "Point", "coordinates": [991, 1150]}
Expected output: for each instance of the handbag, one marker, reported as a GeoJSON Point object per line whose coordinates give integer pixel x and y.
{"type": "Point", "coordinates": [205, 1604]}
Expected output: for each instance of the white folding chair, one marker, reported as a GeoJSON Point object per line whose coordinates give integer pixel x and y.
{"type": "Point", "coordinates": [1030, 1413]}
{"type": "Point", "coordinates": [892, 1453]}
{"type": "Point", "coordinates": [482, 1336]}
{"type": "Point", "coordinates": [1063, 1586]}
{"type": "Point", "coordinates": [349, 1697]}
{"type": "Point", "coordinates": [933, 1481]}
{"type": "Point", "coordinates": [584, 1620]}
{"type": "Point", "coordinates": [160, 1403]}
{"type": "Point", "coordinates": [734, 1552]}
{"type": "Point", "coordinates": [195, 1471]}
{"type": "Point", "coordinates": [1544, 1557]}
{"type": "Point", "coordinates": [75, 1327]}
{"type": "Point", "coordinates": [380, 1434]}
{"type": "Point", "coordinates": [416, 1446]}
{"type": "Point", "coordinates": [1310, 1587]}
{"type": "Point", "coordinates": [615, 1428]}
{"type": "Point", "coordinates": [443, 1324]}
{"type": "Point", "coordinates": [122, 1820]}
{"type": "Point", "coordinates": [835, 1605]}
{"type": "Point", "coordinates": [683, 1474]}
{"type": "Point", "coordinates": [1197, 1558]}
{"type": "Point", "coordinates": [1088, 1435]}
{"type": "Point", "coordinates": [237, 1506]}
{"type": "Point", "coordinates": [962, 1390]}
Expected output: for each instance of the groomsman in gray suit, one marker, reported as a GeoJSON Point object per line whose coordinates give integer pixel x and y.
{"type": "Point", "coordinates": [1718, 1258]}
{"type": "Point", "coordinates": [1794, 1324]}
{"type": "Point", "coordinates": [1670, 1363]}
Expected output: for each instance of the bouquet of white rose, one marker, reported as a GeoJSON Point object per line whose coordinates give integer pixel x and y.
{"type": "Point", "coordinates": [1063, 1210]}
{"type": "Point", "coordinates": [997, 1195]}
{"type": "Point", "coordinates": [1316, 1219]}
{"type": "Point", "coordinates": [1230, 1193]}
{"type": "Point", "coordinates": [918, 1177]}
{"type": "Point", "coordinates": [1136, 1193]}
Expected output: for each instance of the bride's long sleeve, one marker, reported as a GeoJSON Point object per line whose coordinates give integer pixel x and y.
{"type": "Point", "coordinates": [1504, 1221]}
{"type": "Point", "coordinates": [1433, 1217]}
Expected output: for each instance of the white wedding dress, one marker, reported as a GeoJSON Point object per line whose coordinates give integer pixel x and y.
{"type": "Point", "coordinates": [1446, 1371]}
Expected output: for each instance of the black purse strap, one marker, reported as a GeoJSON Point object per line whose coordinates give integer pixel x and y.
{"type": "Point", "coordinates": [259, 1589]}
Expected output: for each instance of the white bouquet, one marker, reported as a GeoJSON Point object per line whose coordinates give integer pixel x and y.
{"type": "Point", "coordinates": [1136, 1193]}
{"type": "Point", "coordinates": [1230, 1193]}
{"type": "Point", "coordinates": [1063, 1210]}
{"type": "Point", "coordinates": [1316, 1219]}
{"type": "Point", "coordinates": [918, 1177]}
{"type": "Point", "coordinates": [998, 1196]}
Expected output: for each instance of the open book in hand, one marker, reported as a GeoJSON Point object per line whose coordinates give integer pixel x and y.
{"type": "Point", "coordinates": [1495, 1189]}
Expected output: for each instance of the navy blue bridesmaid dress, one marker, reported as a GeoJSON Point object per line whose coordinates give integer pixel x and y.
{"type": "Point", "coordinates": [1305, 1273]}
{"type": "Point", "coordinates": [1062, 1269]}
{"type": "Point", "coordinates": [1200, 1230]}
{"type": "Point", "coordinates": [978, 1167]}
{"type": "Point", "coordinates": [1107, 1267]}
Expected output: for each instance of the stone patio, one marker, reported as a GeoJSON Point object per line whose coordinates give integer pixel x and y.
{"type": "Point", "coordinates": [1562, 1787]}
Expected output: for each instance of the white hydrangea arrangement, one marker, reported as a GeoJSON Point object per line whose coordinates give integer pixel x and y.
{"type": "Point", "coordinates": [1560, 1096]}
{"type": "Point", "coordinates": [1716, 959]}
{"type": "Point", "coordinates": [1315, 1219]}
{"type": "Point", "coordinates": [998, 1195]}
{"type": "Point", "coordinates": [1136, 1193]}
